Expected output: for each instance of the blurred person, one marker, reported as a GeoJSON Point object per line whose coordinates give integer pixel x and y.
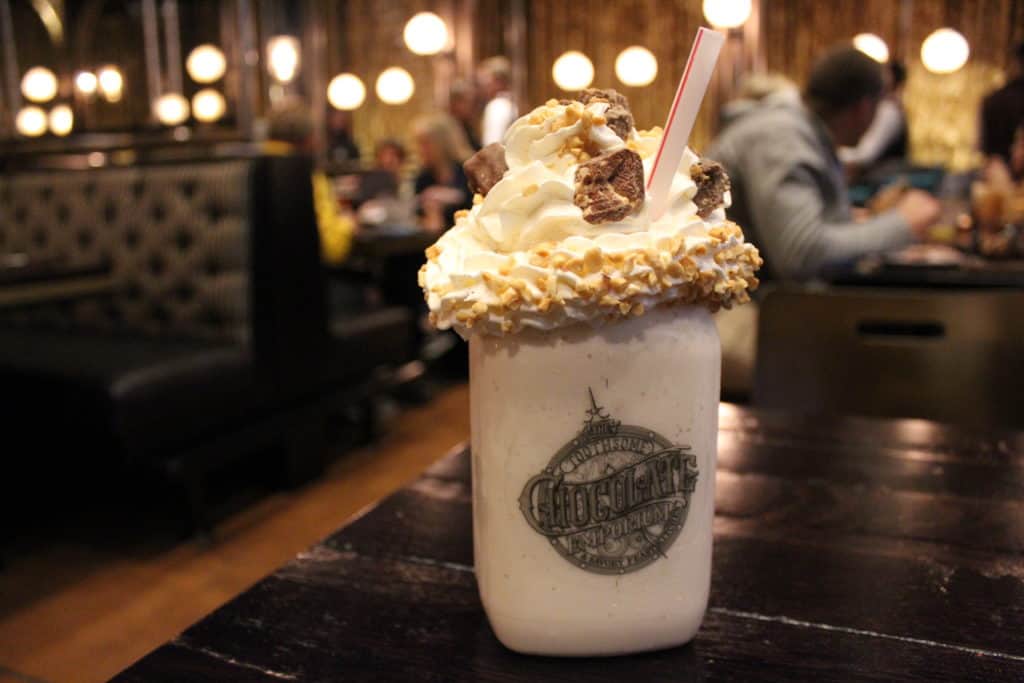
{"type": "Point", "coordinates": [462, 105]}
{"type": "Point", "coordinates": [291, 124]}
{"type": "Point", "coordinates": [441, 187]}
{"type": "Point", "coordinates": [757, 89]}
{"type": "Point", "coordinates": [887, 138]}
{"type": "Point", "coordinates": [788, 187]}
{"type": "Point", "coordinates": [341, 145]}
{"type": "Point", "coordinates": [384, 180]}
{"type": "Point", "coordinates": [1002, 112]}
{"type": "Point", "coordinates": [1004, 175]}
{"type": "Point", "coordinates": [495, 77]}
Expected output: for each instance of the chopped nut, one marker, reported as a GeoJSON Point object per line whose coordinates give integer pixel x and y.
{"type": "Point", "coordinates": [530, 189]}
{"type": "Point", "coordinates": [461, 213]}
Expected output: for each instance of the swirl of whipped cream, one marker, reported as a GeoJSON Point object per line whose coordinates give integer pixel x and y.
{"type": "Point", "coordinates": [525, 257]}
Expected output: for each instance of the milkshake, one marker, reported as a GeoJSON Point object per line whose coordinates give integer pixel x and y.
{"type": "Point", "coordinates": [594, 377]}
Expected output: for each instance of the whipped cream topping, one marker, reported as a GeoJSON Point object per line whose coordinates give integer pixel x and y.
{"type": "Point", "coordinates": [523, 256]}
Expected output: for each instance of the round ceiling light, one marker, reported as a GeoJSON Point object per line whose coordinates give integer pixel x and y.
{"type": "Point", "coordinates": [171, 109]}
{"type": "Point", "coordinates": [573, 71]}
{"type": "Point", "coordinates": [944, 51]}
{"type": "Point", "coordinates": [39, 84]}
{"type": "Point", "coordinates": [86, 83]}
{"type": "Point", "coordinates": [426, 34]}
{"type": "Point", "coordinates": [62, 120]}
{"type": "Point", "coordinates": [283, 58]}
{"type": "Point", "coordinates": [346, 91]}
{"type": "Point", "coordinates": [636, 66]}
{"type": "Point", "coordinates": [31, 121]}
{"type": "Point", "coordinates": [872, 46]}
{"type": "Point", "coordinates": [208, 105]}
{"type": "Point", "coordinates": [111, 83]}
{"type": "Point", "coordinates": [395, 85]}
{"type": "Point", "coordinates": [726, 13]}
{"type": "Point", "coordinates": [206, 64]}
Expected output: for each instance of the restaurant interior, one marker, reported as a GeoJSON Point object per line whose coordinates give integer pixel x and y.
{"type": "Point", "coordinates": [235, 375]}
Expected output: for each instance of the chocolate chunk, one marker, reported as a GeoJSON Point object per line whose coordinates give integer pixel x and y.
{"type": "Point", "coordinates": [610, 187]}
{"type": "Point", "coordinates": [712, 184]}
{"type": "Point", "coordinates": [485, 168]}
{"type": "Point", "coordinates": [620, 118]}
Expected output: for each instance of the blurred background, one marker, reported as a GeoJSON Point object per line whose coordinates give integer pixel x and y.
{"type": "Point", "coordinates": [112, 62]}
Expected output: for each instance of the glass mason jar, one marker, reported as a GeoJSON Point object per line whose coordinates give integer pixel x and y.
{"type": "Point", "coordinates": [593, 455]}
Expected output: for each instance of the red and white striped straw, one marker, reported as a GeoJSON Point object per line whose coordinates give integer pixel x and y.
{"type": "Point", "coordinates": [699, 67]}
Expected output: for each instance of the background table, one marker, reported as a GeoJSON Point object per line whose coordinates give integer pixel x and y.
{"type": "Point", "coordinates": [975, 273]}
{"type": "Point", "coordinates": [845, 549]}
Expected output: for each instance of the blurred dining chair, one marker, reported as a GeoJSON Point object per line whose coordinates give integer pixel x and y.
{"type": "Point", "coordinates": [956, 357]}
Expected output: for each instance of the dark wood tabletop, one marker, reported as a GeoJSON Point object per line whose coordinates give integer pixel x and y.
{"type": "Point", "coordinates": [845, 549]}
{"type": "Point", "coordinates": [974, 272]}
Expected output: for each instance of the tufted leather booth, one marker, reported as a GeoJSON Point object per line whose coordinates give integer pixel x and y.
{"type": "Point", "coordinates": [176, 236]}
{"type": "Point", "coordinates": [217, 322]}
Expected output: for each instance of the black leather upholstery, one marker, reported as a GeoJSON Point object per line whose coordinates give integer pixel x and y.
{"type": "Point", "coordinates": [177, 237]}
{"type": "Point", "coordinates": [368, 340]}
{"type": "Point", "coordinates": [146, 397]}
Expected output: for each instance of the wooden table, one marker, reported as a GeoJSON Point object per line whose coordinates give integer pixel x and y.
{"type": "Point", "coordinates": [974, 273]}
{"type": "Point", "coordinates": [845, 549]}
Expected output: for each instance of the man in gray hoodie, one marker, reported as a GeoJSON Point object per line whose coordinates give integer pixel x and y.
{"type": "Point", "coordinates": [788, 189]}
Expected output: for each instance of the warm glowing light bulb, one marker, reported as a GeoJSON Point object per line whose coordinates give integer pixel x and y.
{"type": "Point", "coordinates": [944, 51]}
{"type": "Point", "coordinates": [726, 13]}
{"type": "Point", "coordinates": [111, 83]}
{"type": "Point", "coordinates": [62, 120]}
{"type": "Point", "coordinates": [206, 64]}
{"type": "Point", "coordinates": [426, 34]}
{"type": "Point", "coordinates": [171, 109]}
{"type": "Point", "coordinates": [872, 46]}
{"type": "Point", "coordinates": [395, 85]}
{"type": "Point", "coordinates": [31, 121]}
{"type": "Point", "coordinates": [39, 84]}
{"type": "Point", "coordinates": [636, 66]}
{"type": "Point", "coordinates": [283, 58]}
{"type": "Point", "coordinates": [86, 83]}
{"type": "Point", "coordinates": [346, 91]}
{"type": "Point", "coordinates": [573, 71]}
{"type": "Point", "coordinates": [208, 105]}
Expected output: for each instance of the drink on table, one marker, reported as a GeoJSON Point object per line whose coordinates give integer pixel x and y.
{"type": "Point", "coordinates": [594, 377]}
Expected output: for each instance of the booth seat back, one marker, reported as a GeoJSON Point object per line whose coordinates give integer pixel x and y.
{"type": "Point", "coordinates": [177, 238]}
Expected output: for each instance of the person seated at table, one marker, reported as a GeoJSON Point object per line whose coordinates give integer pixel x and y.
{"type": "Point", "coordinates": [494, 76]}
{"type": "Point", "coordinates": [1002, 112]}
{"type": "Point", "coordinates": [463, 106]}
{"type": "Point", "coordinates": [755, 90]}
{"type": "Point", "coordinates": [887, 138]}
{"type": "Point", "coordinates": [384, 180]}
{"type": "Point", "coordinates": [788, 188]}
{"type": "Point", "coordinates": [441, 187]}
{"type": "Point", "coordinates": [291, 125]}
{"type": "Point", "coordinates": [1004, 175]}
{"type": "Point", "coordinates": [341, 144]}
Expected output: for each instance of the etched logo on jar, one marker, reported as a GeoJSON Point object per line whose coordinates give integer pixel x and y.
{"type": "Point", "coordinates": [613, 499]}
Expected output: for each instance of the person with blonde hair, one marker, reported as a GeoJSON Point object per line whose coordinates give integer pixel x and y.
{"type": "Point", "coordinates": [495, 78]}
{"type": "Point", "coordinates": [441, 187]}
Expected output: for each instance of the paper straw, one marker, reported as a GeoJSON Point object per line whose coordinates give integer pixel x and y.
{"type": "Point", "coordinates": [689, 95]}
